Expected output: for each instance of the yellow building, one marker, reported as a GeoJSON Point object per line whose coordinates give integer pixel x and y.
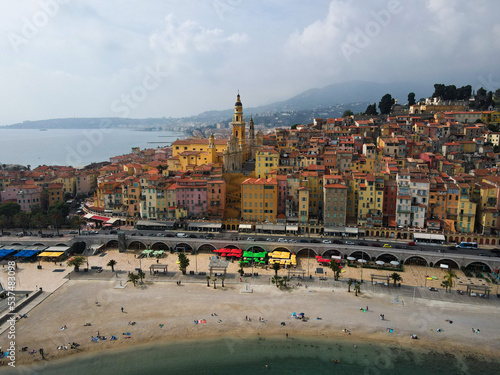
{"type": "Point", "coordinates": [304, 205]}
{"type": "Point", "coordinates": [259, 199]}
{"type": "Point", "coordinates": [370, 201]}
{"type": "Point", "coordinates": [466, 210]}
{"type": "Point", "coordinates": [68, 181]}
{"type": "Point", "coordinates": [266, 160]}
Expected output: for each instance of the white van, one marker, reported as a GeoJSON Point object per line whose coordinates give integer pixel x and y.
{"type": "Point", "coordinates": [181, 235]}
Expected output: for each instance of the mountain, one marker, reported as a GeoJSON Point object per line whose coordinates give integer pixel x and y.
{"type": "Point", "coordinates": [329, 101]}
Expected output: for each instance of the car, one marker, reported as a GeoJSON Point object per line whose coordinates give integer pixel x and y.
{"type": "Point", "coordinates": [292, 241]}
{"type": "Point", "coordinates": [327, 241]}
{"type": "Point", "coordinates": [151, 234]}
{"type": "Point", "coordinates": [282, 240]}
{"type": "Point", "coordinates": [160, 235]}
{"type": "Point", "coordinates": [432, 289]}
{"type": "Point", "coordinates": [113, 232]}
{"type": "Point", "coordinates": [315, 241]}
{"type": "Point", "coordinates": [376, 245]}
{"type": "Point", "coordinates": [94, 232]}
{"type": "Point", "coordinates": [169, 235]}
{"type": "Point", "coordinates": [411, 243]}
{"type": "Point", "coordinates": [261, 239]}
{"type": "Point", "coordinates": [20, 234]}
{"type": "Point", "coordinates": [304, 241]}
{"type": "Point", "coordinates": [362, 244]}
{"type": "Point", "coordinates": [183, 235]}
{"type": "Point", "coordinates": [73, 232]}
{"type": "Point", "coordinates": [387, 245]}
{"type": "Point", "coordinates": [269, 239]}
{"type": "Point", "coordinates": [250, 239]}
{"type": "Point", "coordinates": [349, 243]}
{"type": "Point", "coordinates": [495, 251]}
{"type": "Point", "coordinates": [484, 255]}
{"type": "Point", "coordinates": [191, 236]}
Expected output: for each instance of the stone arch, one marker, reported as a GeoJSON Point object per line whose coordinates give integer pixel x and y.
{"type": "Point", "coordinates": [358, 254]}
{"type": "Point", "coordinates": [305, 251]}
{"type": "Point", "coordinates": [112, 244]}
{"type": "Point", "coordinates": [62, 244]}
{"type": "Point", "coordinates": [469, 239]}
{"type": "Point", "coordinates": [18, 244]}
{"type": "Point", "coordinates": [207, 247]}
{"type": "Point", "coordinates": [256, 249]}
{"type": "Point", "coordinates": [478, 266]}
{"type": "Point", "coordinates": [487, 241]}
{"type": "Point", "coordinates": [462, 239]}
{"type": "Point", "coordinates": [450, 263]}
{"type": "Point", "coordinates": [416, 261]}
{"type": "Point", "coordinates": [377, 233]}
{"type": "Point", "coordinates": [136, 245]}
{"type": "Point", "coordinates": [183, 247]}
{"type": "Point", "coordinates": [493, 241]}
{"type": "Point", "coordinates": [332, 252]}
{"type": "Point", "coordinates": [223, 227]}
{"type": "Point", "coordinates": [230, 247]}
{"type": "Point", "coordinates": [399, 235]}
{"type": "Point", "coordinates": [386, 234]}
{"type": "Point", "coordinates": [481, 241]}
{"type": "Point", "coordinates": [405, 236]}
{"type": "Point", "coordinates": [39, 244]}
{"type": "Point", "coordinates": [160, 246]}
{"type": "Point", "coordinates": [387, 257]}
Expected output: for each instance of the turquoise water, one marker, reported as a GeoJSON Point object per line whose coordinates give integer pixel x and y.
{"type": "Point", "coordinates": [74, 147]}
{"type": "Point", "coordinates": [269, 356]}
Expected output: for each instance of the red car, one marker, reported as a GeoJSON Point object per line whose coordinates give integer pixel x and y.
{"type": "Point", "coordinates": [411, 244]}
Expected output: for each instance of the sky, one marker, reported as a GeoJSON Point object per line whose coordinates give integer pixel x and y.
{"type": "Point", "coordinates": [175, 58]}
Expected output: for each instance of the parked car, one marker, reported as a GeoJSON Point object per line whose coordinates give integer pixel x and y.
{"type": "Point", "coordinates": [432, 289]}
{"type": "Point", "coordinates": [327, 241]}
{"type": "Point", "coordinates": [181, 235]}
{"type": "Point", "coordinates": [411, 243]}
{"type": "Point", "coordinates": [282, 240]}
{"type": "Point", "coordinates": [484, 255]}
{"type": "Point", "coordinates": [349, 243]}
{"type": "Point", "coordinates": [261, 239]}
{"type": "Point", "coordinates": [338, 242]}
{"type": "Point", "coordinates": [362, 244]}
{"type": "Point", "coordinates": [93, 232]}
{"type": "Point", "coordinates": [387, 245]}
{"type": "Point", "coordinates": [20, 234]}
{"type": "Point", "coordinates": [73, 232]}
{"type": "Point", "coordinates": [113, 232]}
{"type": "Point", "coordinates": [191, 236]}
{"type": "Point", "coordinates": [304, 241]}
{"type": "Point", "coordinates": [269, 239]}
{"type": "Point", "coordinates": [250, 239]}
{"type": "Point", "coordinates": [376, 245]}
{"type": "Point", "coordinates": [160, 235]}
{"type": "Point", "coordinates": [169, 235]}
{"type": "Point", "coordinates": [151, 234]}
{"type": "Point", "coordinates": [292, 241]}
{"type": "Point", "coordinates": [315, 241]}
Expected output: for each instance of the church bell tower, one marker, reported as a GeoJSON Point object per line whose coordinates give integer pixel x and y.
{"type": "Point", "coordinates": [239, 124]}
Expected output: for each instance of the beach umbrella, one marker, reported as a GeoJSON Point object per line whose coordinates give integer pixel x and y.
{"type": "Point", "coordinates": [395, 263]}
{"type": "Point", "coordinates": [362, 261]}
{"type": "Point", "coordinates": [380, 262]}
{"type": "Point", "coordinates": [351, 258]}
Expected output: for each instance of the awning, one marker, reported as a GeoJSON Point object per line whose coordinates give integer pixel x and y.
{"type": "Point", "coordinates": [205, 225]}
{"type": "Point", "coordinates": [334, 230]}
{"type": "Point", "coordinates": [112, 220]}
{"type": "Point", "coordinates": [351, 230]}
{"type": "Point", "coordinates": [51, 254]}
{"type": "Point", "coordinates": [273, 227]}
{"type": "Point", "coordinates": [292, 227]}
{"type": "Point", "coordinates": [87, 216]}
{"type": "Point", "coordinates": [245, 226]}
{"type": "Point", "coordinates": [26, 253]}
{"type": "Point", "coordinates": [100, 218]}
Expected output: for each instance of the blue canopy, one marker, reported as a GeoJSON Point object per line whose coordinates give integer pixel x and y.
{"type": "Point", "coordinates": [6, 252]}
{"type": "Point", "coordinates": [26, 253]}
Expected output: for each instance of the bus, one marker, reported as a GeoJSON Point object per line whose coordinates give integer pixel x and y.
{"type": "Point", "coordinates": [466, 245]}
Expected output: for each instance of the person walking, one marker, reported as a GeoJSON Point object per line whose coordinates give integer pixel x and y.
{"type": "Point", "coordinates": [122, 309]}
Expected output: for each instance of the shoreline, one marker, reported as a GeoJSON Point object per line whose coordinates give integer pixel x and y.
{"type": "Point", "coordinates": [164, 304]}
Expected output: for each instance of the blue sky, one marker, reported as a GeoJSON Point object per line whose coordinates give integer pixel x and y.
{"type": "Point", "coordinates": [155, 58]}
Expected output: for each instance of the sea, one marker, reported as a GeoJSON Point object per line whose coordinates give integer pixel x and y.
{"type": "Point", "coordinates": [264, 356]}
{"type": "Point", "coordinates": [75, 147]}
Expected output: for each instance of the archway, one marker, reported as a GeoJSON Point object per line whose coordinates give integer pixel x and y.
{"type": "Point", "coordinates": [493, 242]}
{"type": "Point", "coordinates": [113, 244]}
{"type": "Point", "coordinates": [387, 258]}
{"type": "Point", "coordinates": [469, 239]}
{"type": "Point", "coordinates": [206, 248]}
{"type": "Point", "coordinates": [257, 249]}
{"type": "Point", "coordinates": [487, 241]}
{"type": "Point", "coordinates": [136, 245]}
{"type": "Point", "coordinates": [481, 241]}
{"type": "Point", "coordinates": [332, 252]}
{"type": "Point", "coordinates": [16, 244]}
{"type": "Point", "coordinates": [183, 247]}
{"type": "Point", "coordinates": [39, 244]}
{"type": "Point", "coordinates": [399, 235]}
{"type": "Point", "coordinates": [405, 236]}
{"type": "Point", "coordinates": [360, 255]}
{"type": "Point", "coordinates": [450, 263]}
{"type": "Point", "coordinates": [305, 252]}
{"type": "Point", "coordinates": [160, 246]}
{"type": "Point", "coordinates": [62, 244]}
{"type": "Point", "coordinates": [478, 267]}
{"type": "Point", "coordinates": [377, 233]}
{"type": "Point", "coordinates": [415, 261]}
{"type": "Point", "coordinates": [231, 247]}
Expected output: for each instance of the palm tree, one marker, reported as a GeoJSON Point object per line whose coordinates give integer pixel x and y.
{"type": "Point", "coordinates": [208, 281]}
{"type": "Point", "coordinates": [277, 280]}
{"type": "Point", "coordinates": [76, 262]}
{"type": "Point", "coordinates": [37, 221]}
{"type": "Point", "coordinates": [445, 284]}
{"type": "Point", "coordinates": [77, 222]}
{"type": "Point", "coordinates": [450, 275]}
{"type": "Point", "coordinates": [335, 267]}
{"type": "Point", "coordinates": [132, 277]}
{"type": "Point", "coordinates": [349, 283]}
{"type": "Point", "coordinates": [214, 280]}
{"type": "Point", "coordinates": [112, 264]}
{"type": "Point", "coordinates": [21, 219]}
{"type": "Point", "coordinates": [222, 280]}
{"type": "Point", "coordinates": [141, 274]}
{"type": "Point", "coordinates": [285, 280]}
{"type": "Point", "coordinates": [357, 288]}
{"type": "Point", "coordinates": [396, 277]}
{"type": "Point", "coordinates": [183, 262]}
{"type": "Point", "coordinates": [276, 267]}
{"type": "Point", "coordinates": [56, 218]}
{"type": "Point", "coordinates": [241, 271]}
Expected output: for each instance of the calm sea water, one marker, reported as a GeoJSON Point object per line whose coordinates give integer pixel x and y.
{"type": "Point", "coordinates": [269, 356]}
{"type": "Point", "coordinates": [74, 147]}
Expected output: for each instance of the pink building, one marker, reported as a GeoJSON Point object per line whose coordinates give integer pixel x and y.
{"type": "Point", "coordinates": [85, 183]}
{"type": "Point", "coordinates": [192, 195]}
{"type": "Point", "coordinates": [29, 197]}
{"type": "Point", "coordinates": [10, 193]}
{"type": "Point", "coordinates": [282, 193]}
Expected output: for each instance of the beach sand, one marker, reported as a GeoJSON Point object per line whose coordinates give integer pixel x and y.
{"type": "Point", "coordinates": [177, 307]}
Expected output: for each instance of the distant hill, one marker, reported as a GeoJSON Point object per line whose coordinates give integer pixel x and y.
{"type": "Point", "coordinates": [329, 101]}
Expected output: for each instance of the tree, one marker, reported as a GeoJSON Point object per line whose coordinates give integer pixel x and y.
{"type": "Point", "coordinates": [396, 277]}
{"type": "Point", "coordinates": [9, 209]}
{"type": "Point", "coordinates": [208, 281]}
{"type": "Point", "coordinates": [293, 127]}
{"type": "Point", "coordinates": [132, 277]}
{"type": "Point", "coordinates": [357, 288]}
{"type": "Point", "coordinates": [349, 284]}
{"type": "Point", "coordinates": [76, 262]}
{"type": "Point", "coordinates": [411, 98]}
{"type": "Point", "coordinates": [214, 280]}
{"type": "Point", "coordinates": [335, 267]}
{"type": "Point", "coordinates": [112, 264]}
{"type": "Point", "coordinates": [141, 274]}
{"type": "Point", "coordinates": [222, 280]}
{"type": "Point", "coordinates": [37, 221]}
{"type": "Point", "coordinates": [56, 219]}
{"type": "Point", "coordinates": [241, 271]}
{"type": "Point", "coordinates": [183, 262]}
{"type": "Point", "coordinates": [438, 90]}
{"type": "Point", "coordinates": [61, 207]}
{"type": "Point", "coordinates": [278, 281]}
{"type": "Point", "coordinates": [371, 110]}
{"type": "Point", "coordinates": [481, 92]}
{"type": "Point", "coordinates": [276, 267]}
{"type": "Point", "coordinates": [450, 275]}
{"type": "Point", "coordinates": [348, 113]}
{"type": "Point", "coordinates": [77, 222]}
{"type": "Point", "coordinates": [386, 104]}
{"type": "Point", "coordinates": [21, 219]}
{"type": "Point", "coordinates": [445, 284]}
{"type": "Point", "coordinates": [3, 222]}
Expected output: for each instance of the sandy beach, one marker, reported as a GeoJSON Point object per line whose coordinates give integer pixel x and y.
{"type": "Point", "coordinates": [165, 311]}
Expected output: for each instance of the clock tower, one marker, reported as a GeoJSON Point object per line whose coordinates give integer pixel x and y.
{"type": "Point", "coordinates": [239, 124]}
